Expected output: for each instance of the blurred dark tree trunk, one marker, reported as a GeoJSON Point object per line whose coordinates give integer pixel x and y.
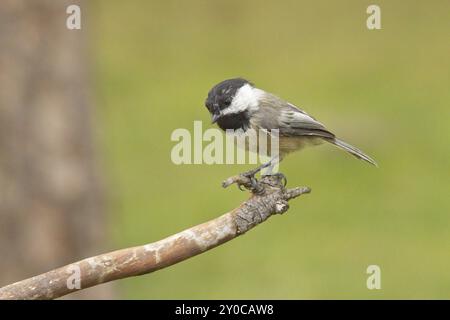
{"type": "Point", "coordinates": [51, 209]}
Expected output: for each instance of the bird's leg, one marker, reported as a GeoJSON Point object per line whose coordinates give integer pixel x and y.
{"type": "Point", "coordinates": [251, 175]}
{"type": "Point", "coordinates": [255, 186]}
{"type": "Point", "coordinates": [247, 179]}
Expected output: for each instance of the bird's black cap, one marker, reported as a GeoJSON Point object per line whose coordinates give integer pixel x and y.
{"type": "Point", "coordinates": [222, 94]}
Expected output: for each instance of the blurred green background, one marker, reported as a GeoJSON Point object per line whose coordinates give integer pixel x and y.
{"type": "Point", "coordinates": [386, 91]}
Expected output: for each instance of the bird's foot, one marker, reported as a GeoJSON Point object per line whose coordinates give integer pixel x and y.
{"type": "Point", "coordinates": [246, 180]}
{"type": "Point", "coordinates": [253, 183]}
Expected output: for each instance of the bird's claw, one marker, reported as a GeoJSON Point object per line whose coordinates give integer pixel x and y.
{"type": "Point", "coordinates": [253, 184]}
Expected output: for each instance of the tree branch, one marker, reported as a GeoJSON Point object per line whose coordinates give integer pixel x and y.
{"type": "Point", "coordinates": [271, 199]}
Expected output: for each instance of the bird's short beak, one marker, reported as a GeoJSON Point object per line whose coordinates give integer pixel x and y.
{"type": "Point", "coordinates": [215, 117]}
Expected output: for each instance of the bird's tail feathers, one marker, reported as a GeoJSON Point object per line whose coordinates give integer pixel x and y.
{"type": "Point", "coordinates": [352, 150]}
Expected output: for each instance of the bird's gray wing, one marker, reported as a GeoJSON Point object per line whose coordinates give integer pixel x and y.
{"type": "Point", "coordinates": [290, 120]}
{"type": "Point", "coordinates": [276, 113]}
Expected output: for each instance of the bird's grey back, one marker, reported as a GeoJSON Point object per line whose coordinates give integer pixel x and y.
{"type": "Point", "coordinates": [275, 113]}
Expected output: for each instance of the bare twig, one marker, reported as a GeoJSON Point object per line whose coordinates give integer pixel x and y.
{"type": "Point", "coordinates": [273, 199]}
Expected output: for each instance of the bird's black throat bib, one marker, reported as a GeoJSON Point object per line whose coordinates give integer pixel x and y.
{"type": "Point", "coordinates": [234, 121]}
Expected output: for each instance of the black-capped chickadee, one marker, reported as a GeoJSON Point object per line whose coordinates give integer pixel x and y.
{"type": "Point", "coordinates": [238, 104]}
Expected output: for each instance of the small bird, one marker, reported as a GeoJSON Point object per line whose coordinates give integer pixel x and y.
{"type": "Point", "coordinates": [238, 104]}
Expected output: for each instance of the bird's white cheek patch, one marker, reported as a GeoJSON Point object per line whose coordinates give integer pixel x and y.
{"type": "Point", "coordinates": [246, 99]}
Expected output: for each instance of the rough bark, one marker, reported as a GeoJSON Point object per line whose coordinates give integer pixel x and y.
{"type": "Point", "coordinates": [271, 199]}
